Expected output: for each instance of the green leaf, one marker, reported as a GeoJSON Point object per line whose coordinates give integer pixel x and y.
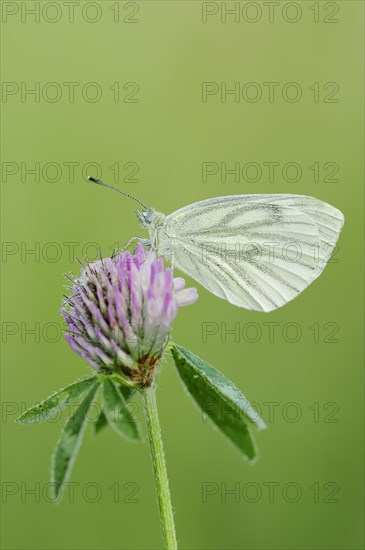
{"type": "Point", "coordinates": [126, 392]}
{"type": "Point", "coordinates": [219, 399]}
{"type": "Point", "coordinates": [56, 402]}
{"type": "Point", "coordinates": [70, 441]}
{"type": "Point", "coordinates": [116, 410]}
{"type": "Point", "coordinates": [102, 421]}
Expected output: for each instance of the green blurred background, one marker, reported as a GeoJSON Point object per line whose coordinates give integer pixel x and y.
{"type": "Point", "coordinates": [306, 490]}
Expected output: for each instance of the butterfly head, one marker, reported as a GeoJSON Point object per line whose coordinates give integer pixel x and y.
{"type": "Point", "coordinates": [145, 216]}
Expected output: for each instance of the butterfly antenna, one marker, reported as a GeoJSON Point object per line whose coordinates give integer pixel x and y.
{"type": "Point", "coordinates": [99, 182]}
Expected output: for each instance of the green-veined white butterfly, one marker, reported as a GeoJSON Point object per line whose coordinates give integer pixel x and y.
{"type": "Point", "coordinates": [255, 251]}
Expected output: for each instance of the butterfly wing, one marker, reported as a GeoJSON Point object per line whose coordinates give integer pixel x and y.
{"type": "Point", "coordinates": [255, 251]}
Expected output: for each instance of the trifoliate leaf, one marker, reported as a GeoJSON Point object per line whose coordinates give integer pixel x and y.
{"type": "Point", "coordinates": [56, 402]}
{"type": "Point", "coordinates": [70, 441]}
{"type": "Point", "coordinates": [102, 421]}
{"type": "Point", "coordinates": [117, 412]}
{"type": "Point", "coordinates": [219, 399]}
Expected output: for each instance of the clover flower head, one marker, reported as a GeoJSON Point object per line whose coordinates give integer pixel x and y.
{"type": "Point", "coordinates": [121, 312]}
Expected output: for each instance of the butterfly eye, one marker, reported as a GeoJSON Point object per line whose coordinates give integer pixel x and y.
{"type": "Point", "coordinates": [148, 216]}
{"type": "Point", "coordinates": [145, 217]}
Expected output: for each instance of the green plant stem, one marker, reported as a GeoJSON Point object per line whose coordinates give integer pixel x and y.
{"type": "Point", "coordinates": [159, 468]}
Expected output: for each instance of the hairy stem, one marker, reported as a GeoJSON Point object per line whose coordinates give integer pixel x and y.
{"type": "Point", "coordinates": [159, 468]}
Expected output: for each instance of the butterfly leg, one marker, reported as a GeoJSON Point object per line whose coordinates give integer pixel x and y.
{"type": "Point", "coordinates": [145, 242]}
{"type": "Point", "coordinates": [170, 257]}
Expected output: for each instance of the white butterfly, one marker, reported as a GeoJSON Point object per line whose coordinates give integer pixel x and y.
{"type": "Point", "coordinates": [255, 251]}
